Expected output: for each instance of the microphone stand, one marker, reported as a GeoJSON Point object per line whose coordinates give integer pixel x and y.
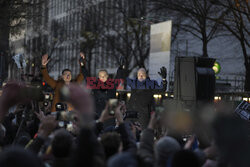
{"type": "Point", "coordinates": [21, 124]}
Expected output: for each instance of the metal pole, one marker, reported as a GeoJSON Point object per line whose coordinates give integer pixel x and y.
{"type": "Point", "coordinates": [186, 47]}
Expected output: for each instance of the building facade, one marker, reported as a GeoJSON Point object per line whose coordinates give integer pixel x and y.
{"type": "Point", "coordinates": [107, 30]}
{"type": "Point", "coordinates": [67, 27]}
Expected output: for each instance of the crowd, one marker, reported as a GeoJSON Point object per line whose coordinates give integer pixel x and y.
{"type": "Point", "coordinates": [30, 137]}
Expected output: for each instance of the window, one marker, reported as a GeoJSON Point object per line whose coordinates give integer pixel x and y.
{"type": "Point", "coordinates": [56, 7]}
{"type": "Point", "coordinates": [64, 5]}
{"type": "Point", "coordinates": [77, 25]}
{"type": "Point", "coordinates": [53, 8]}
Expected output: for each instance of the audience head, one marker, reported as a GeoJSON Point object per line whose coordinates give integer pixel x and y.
{"type": "Point", "coordinates": [164, 149]}
{"type": "Point", "coordinates": [185, 158]}
{"type": "Point", "coordinates": [232, 140]}
{"type": "Point", "coordinates": [62, 143]}
{"type": "Point", "coordinates": [125, 159]}
{"type": "Point", "coordinates": [18, 157]}
{"type": "Point", "coordinates": [111, 142]}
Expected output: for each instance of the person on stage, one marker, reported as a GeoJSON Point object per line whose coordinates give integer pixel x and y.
{"type": "Point", "coordinates": [141, 99]}
{"type": "Point", "coordinates": [66, 79]}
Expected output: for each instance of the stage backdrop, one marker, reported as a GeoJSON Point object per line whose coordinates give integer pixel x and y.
{"type": "Point", "coordinates": [160, 45]}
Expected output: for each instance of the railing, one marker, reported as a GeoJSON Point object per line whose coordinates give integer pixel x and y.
{"type": "Point", "coordinates": [225, 96]}
{"type": "Point", "coordinates": [222, 84]}
{"type": "Point", "coordinates": [230, 85]}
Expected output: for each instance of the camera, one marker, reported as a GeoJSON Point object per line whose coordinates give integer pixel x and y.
{"type": "Point", "coordinates": [47, 99]}
{"type": "Point", "coordinates": [47, 96]}
{"type": "Point", "coordinates": [62, 114]}
{"type": "Point", "coordinates": [64, 118]}
{"type": "Point", "coordinates": [61, 107]}
{"type": "Point", "coordinates": [45, 104]}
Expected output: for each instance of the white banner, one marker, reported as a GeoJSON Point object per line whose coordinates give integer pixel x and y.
{"type": "Point", "coordinates": [160, 45]}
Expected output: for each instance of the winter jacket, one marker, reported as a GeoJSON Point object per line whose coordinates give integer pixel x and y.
{"type": "Point", "coordinates": [142, 101]}
{"type": "Point", "coordinates": [57, 85]}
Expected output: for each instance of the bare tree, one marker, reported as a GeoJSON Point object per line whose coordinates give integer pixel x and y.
{"type": "Point", "coordinates": [236, 20]}
{"type": "Point", "coordinates": [90, 28]}
{"type": "Point", "coordinates": [13, 16]}
{"type": "Point", "coordinates": [130, 37]}
{"type": "Point", "coordinates": [43, 39]}
{"type": "Point", "coordinates": [117, 28]}
{"type": "Point", "coordinates": [194, 19]}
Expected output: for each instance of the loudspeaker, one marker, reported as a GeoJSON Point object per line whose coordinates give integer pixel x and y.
{"type": "Point", "coordinates": [194, 79]}
{"type": "Point", "coordinates": [3, 68]}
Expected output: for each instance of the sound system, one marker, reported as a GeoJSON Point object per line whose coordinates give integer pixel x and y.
{"type": "Point", "coordinates": [194, 82]}
{"type": "Point", "coordinates": [3, 68]}
{"type": "Point", "coordinates": [194, 79]}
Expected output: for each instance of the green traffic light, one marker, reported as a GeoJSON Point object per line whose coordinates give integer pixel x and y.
{"type": "Point", "coordinates": [216, 68]}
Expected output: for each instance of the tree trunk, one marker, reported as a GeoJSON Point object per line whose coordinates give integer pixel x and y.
{"type": "Point", "coordinates": [89, 53]}
{"type": "Point", "coordinates": [247, 66]}
{"type": "Point", "coordinates": [4, 44]}
{"type": "Point", "coordinates": [204, 49]}
{"type": "Point", "coordinates": [247, 79]}
{"type": "Point", "coordinates": [246, 58]}
{"type": "Point", "coordinates": [204, 43]}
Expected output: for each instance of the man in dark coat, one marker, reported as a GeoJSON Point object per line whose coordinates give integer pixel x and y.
{"type": "Point", "coordinates": [102, 95]}
{"type": "Point", "coordinates": [142, 91]}
{"type": "Point", "coordinates": [103, 89]}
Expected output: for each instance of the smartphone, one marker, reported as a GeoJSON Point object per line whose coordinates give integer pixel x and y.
{"type": "Point", "coordinates": [112, 105]}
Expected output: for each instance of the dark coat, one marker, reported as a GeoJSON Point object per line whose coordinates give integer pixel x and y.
{"type": "Point", "coordinates": [101, 97]}
{"type": "Point", "coordinates": [142, 101]}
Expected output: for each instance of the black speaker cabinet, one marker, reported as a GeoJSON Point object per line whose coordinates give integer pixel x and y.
{"type": "Point", "coordinates": [194, 79]}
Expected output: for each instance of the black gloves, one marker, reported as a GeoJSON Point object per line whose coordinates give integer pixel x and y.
{"type": "Point", "coordinates": [122, 62]}
{"type": "Point", "coordinates": [163, 72]}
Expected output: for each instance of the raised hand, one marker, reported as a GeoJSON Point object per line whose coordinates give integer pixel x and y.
{"type": "Point", "coordinates": [45, 59]}
{"type": "Point", "coordinates": [163, 72]}
{"type": "Point", "coordinates": [82, 60]}
{"type": "Point", "coordinates": [82, 55]}
{"type": "Point", "coordinates": [105, 114]}
{"type": "Point", "coordinates": [74, 94]}
{"type": "Point", "coordinates": [40, 115]}
{"type": "Point", "coordinates": [118, 113]}
{"type": "Point", "coordinates": [153, 121]}
{"type": "Point", "coordinates": [189, 143]}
